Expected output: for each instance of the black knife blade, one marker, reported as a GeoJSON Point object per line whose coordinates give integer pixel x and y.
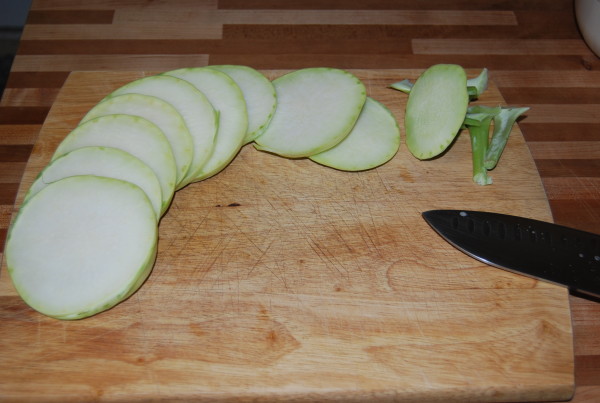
{"type": "Point", "coordinates": [539, 249]}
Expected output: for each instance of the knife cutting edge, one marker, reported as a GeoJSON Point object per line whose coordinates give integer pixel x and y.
{"type": "Point", "coordinates": [538, 249]}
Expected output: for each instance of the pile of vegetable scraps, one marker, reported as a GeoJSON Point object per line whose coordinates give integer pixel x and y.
{"type": "Point", "coordinates": [438, 108]}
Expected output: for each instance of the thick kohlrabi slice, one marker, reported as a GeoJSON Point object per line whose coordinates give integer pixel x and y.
{"type": "Point", "coordinates": [81, 245]}
{"type": "Point", "coordinates": [133, 134]}
{"type": "Point", "coordinates": [316, 109]}
{"type": "Point", "coordinates": [159, 112]}
{"type": "Point", "coordinates": [227, 99]}
{"type": "Point", "coordinates": [374, 140]}
{"type": "Point", "coordinates": [102, 161]}
{"type": "Point", "coordinates": [259, 94]}
{"type": "Point", "coordinates": [435, 110]}
{"type": "Point", "coordinates": [196, 110]}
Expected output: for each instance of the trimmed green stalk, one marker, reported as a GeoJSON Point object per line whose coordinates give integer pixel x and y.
{"type": "Point", "coordinates": [481, 118]}
{"type": "Point", "coordinates": [479, 143]}
{"type": "Point", "coordinates": [503, 123]}
{"type": "Point", "coordinates": [477, 86]}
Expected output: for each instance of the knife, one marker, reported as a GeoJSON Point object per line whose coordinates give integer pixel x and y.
{"type": "Point", "coordinates": [537, 249]}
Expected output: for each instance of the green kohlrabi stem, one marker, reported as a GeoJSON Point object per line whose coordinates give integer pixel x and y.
{"type": "Point", "coordinates": [476, 86]}
{"type": "Point", "coordinates": [479, 142]}
{"type": "Point", "coordinates": [478, 121]}
{"type": "Point", "coordinates": [503, 123]}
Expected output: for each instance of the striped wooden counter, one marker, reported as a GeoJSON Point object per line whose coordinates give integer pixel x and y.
{"type": "Point", "coordinates": [532, 48]}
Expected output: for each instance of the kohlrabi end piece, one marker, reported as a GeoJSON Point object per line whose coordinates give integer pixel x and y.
{"type": "Point", "coordinates": [404, 86]}
{"type": "Point", "coordinates": [503, 123]}
{"type": "Point", "coordinates": [436, 110]}
{"type": "Point", "coordinates": [374, 140]}
{"type": "Point", "coordinates": [316, 109]}
{"type": "Point", "coordinates": [81, 245]}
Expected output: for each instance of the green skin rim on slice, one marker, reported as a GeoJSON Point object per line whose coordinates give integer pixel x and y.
{"type": "Point", "coordinates": [38, 242]}
{"type": "Point", "coordinates": [259, 94]}
{"type": "Point", "coordinates": [101, 161]}
{"type": "Point", "coordinates": [128, 132]}
{"type": "Point", "coordinates": [374, 140]}
{"type": "Point", "coordinates": [227, 98]}
{"type": "Point", "coordinates": [159, 112]}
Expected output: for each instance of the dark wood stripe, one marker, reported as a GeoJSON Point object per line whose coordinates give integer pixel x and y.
{"type": "Point", "coordinates": [559, 131]}
{"type": "Point", "coordinates": [587, 369]}
{"type": "Point", "coordinates": [568, 167]}
{"type": "Point", "coordinates": [23, 114]}
{"type": "Point", "coordinates": [394, 5]}
{"type": "Point", "coordinates": [378, 53]}
{"type": "Point", "coordinates": [581, 214]}
{"type": "Point", "coordinates": [373, 32]}
{"type": "Point", "coordinates": [350, 59]}
{"type": "Point", "coordinates": [15, 153]}
{"type": "Point", "coordinates": [3, 233]}
{"type": "Point", "coordinates": [533, 24]}
{"type": "Point", "coordinates": [37, 79]}
{"type": "Point", "coordinates": [552, 95]}
{"type": "Point", "coordinates": [8, 193]}
{"type": "Point", "coordinates": [271, 46]}
{"type": "Point", "coordinates": [70, 17]}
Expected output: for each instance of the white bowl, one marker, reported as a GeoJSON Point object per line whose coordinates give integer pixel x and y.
{"type": "Point", "coordinates": [587, 13]}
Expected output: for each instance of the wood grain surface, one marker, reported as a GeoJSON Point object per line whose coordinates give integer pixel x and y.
{"type": "Point", "coordinates": [532, 47]}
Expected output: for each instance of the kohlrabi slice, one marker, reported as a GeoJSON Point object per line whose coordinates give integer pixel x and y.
{"type": "Point", "coordinates": [227, 99]}
{"type": "Point", "coordinates": [102, 161]}
{"type": "Point", "coordinates": [259, 94]}
{"type": "Point", "coordinates": [159, 112]}
{"type": "Point", "coordinates": [196, 110]}
{"type": "Point", "coordinates": [316, 109]}
{"type": "Point", "coordinates": [133, 134]}
{"type": "Point", "coordinates": [81, 245]}
{"type": "Point", "coordinates": [374, 140]}
{"type": "Point", "coordinates": [435, 110]}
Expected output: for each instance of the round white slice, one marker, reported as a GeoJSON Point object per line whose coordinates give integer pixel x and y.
{"type": "Point", "coordinates": [133, 134]}
{"type": "Point", "coordinates": [259, 94]}
{"type": "Point", "coordinates": [316, 109]}
{"type": "Point", "coordinates": [81, 245]}
{"type": "Point", "coordinates": [102, 161]}
{"type": "Point", "coordinates": [374, 140]}
{"type": "Point", "coordinates": [228, 100]}
{"type": "Point", "coordinates": [196, 110]}
{"type": "Point", "coordinates": [159, 112]}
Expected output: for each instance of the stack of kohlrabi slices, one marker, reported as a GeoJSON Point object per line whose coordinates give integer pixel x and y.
{"type": "Point", "coordinates": [85, 237]}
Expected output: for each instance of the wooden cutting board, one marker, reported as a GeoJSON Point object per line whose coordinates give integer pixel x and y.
{"type": "Point", "coordinates": [282, 279]}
